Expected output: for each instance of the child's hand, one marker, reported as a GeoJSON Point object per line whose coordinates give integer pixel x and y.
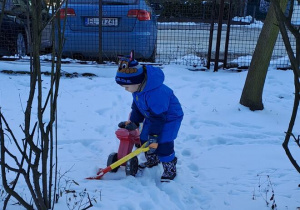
{"type": "Point", "coordinates": [152, 143]}
{"type": "Point", "coordinates": [122, 124]}
{"type": "Point", "coordinates": [128, 125]}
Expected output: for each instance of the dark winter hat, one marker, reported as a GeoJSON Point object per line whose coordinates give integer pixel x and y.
{"type": "Point", "coordinates": [129, 71]}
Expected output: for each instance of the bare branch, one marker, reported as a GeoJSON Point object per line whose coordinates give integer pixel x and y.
{"type": "Point", "coordinates": [53, 15]}
{"type": "Point", "coordinates": [10, 132]}
{"type": "Point", "coordinates": [3, 167]}
{"type": "Point", "coordinates": [90, 203]}
{"type": "Point", "coordinates": [283, 23]}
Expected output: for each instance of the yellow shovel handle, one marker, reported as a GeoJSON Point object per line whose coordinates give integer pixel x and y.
{"type": "Point", "coordinates": [129, 156]}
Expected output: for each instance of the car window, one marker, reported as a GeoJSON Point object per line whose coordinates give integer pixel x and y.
{"type": "Point", "coordinates": [17, 7]}
{"type": "Point", "coordinates": [105, 2]}
{"type": "Point", "coordinates": [12, 4]}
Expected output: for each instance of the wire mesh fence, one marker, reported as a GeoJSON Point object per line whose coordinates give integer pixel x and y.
{"type": "Point", "coordinates": [192, 32]}
{"type": "Point", "coordinates": [241, 21]}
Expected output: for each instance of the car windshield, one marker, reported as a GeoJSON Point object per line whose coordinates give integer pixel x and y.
{"type": "Point", "coordinates": [105, 2]}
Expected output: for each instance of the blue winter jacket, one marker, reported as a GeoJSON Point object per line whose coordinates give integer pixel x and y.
{"type": "Point", "coordinates": [157, 107]}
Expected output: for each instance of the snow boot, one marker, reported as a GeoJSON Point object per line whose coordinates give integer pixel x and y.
{"type": "Point", "coordinates": [169, 170]}
{"type": "Point", "coordinates": [152, 160]}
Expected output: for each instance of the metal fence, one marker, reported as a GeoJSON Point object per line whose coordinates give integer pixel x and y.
{"type": "Point", "coordinates": [230, 33]}
{"type": "Point", "coordinates": [195, 33]}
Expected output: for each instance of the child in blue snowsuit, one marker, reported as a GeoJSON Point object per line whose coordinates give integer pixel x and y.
{"type": "Point", "coordinates": [156, 106]}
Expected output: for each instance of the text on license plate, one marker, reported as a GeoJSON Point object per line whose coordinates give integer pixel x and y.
{"type": "Point", "coordinates": [105, 21]}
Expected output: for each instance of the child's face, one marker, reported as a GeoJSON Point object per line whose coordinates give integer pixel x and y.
{"type": "Point", "coordinates": [131, 88]}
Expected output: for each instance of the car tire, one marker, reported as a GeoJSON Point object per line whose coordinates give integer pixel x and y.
{"type": "Point", "coordinates": [20, 45]}
{"type": "Point", "coordinates": [153, 55]}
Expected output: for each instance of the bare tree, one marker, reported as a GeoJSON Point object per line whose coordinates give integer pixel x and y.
{"type": "Point", "coordinates": [294, 57]}
{"type": "Point", "coordinates": [253, 89]}
{"type": "Point", "coordinates": [36, 161]}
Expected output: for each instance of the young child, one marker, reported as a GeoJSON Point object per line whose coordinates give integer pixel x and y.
{"type": "Point", "coordinates": [157, 107]}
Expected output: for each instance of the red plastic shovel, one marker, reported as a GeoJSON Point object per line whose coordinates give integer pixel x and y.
{"type": "Point", "coordinates": [103, 171]}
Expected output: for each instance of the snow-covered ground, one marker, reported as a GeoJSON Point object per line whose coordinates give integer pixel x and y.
{"type": "Point", "coordinates": [228, 156]}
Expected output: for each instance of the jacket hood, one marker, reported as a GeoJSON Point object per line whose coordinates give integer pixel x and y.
{"type": "Point", "coordinates": [155, 78]}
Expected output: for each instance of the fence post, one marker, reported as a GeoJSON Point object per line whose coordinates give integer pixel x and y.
{"type": "Point", "coordinates": [100, 59]}
{"type": "Point", "coordinates": [219, 34]}
{"type": "Point", "coordinates": [227, 34]}
{"type": "Point", "coordinates": [211, 33]}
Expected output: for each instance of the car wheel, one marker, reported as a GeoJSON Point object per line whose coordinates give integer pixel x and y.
{"type": "Point", "coordinates": [153, 55]}
{"type": "Point", "coordinates": [21, 45]}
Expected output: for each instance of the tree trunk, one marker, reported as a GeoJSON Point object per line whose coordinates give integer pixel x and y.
{"type": "Point", "coordinates": [253, 88]}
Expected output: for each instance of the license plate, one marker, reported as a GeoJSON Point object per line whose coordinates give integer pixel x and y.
{"type": "Point", "coordinates": [105, 21]}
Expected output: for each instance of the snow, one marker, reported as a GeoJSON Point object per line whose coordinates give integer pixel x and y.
{"type": "Point", "coordinates": [228, 156]}
{"type": "Point", "coordinates": [249, 19]}
{"type": "Point", "coordinates": [253, 23]}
